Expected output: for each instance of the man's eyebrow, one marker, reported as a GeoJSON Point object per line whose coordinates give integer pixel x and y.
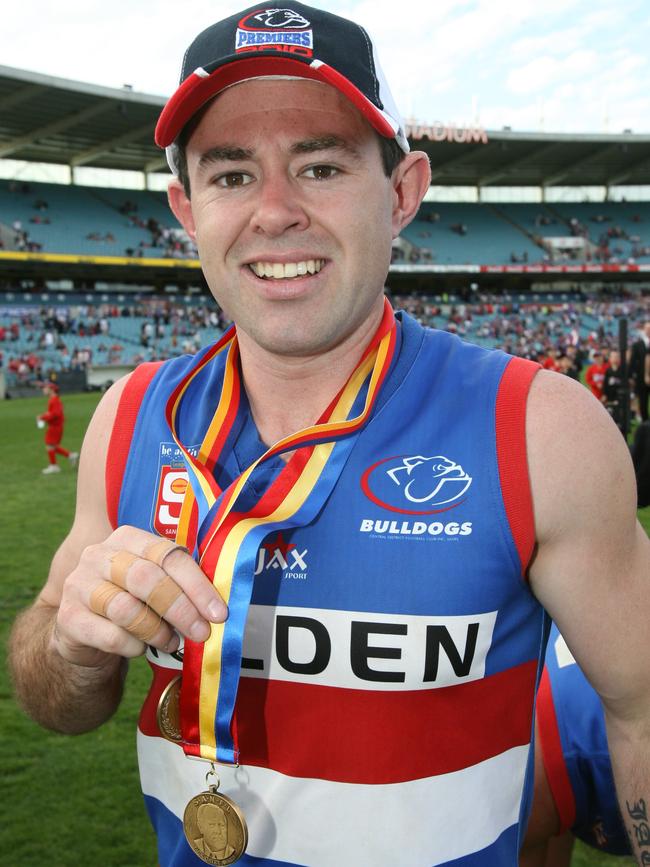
{"type": "Point", "coordinates": [224, 152]}
{"type": "Point", "coordinates": [233, 153]}
{"type": "Point", "coordinates": [324, 143]}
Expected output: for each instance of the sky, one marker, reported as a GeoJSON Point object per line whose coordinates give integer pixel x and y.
{"type": "Point", "coordinates": [532, 65]}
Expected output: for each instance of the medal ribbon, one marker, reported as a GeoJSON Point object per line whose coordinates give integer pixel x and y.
{"type": "Point", "coordinates": [225, 528]}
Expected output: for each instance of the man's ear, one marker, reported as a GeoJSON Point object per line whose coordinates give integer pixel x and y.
{"type": "Point", "coordinates": [410, 180]}
{"type": "Point", "coordinates": [181, 207]}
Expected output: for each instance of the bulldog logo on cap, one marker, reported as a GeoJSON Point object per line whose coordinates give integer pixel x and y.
{"type": "Point", "coordinates": [275, 29]}
{"type": "Point", "coordinates": [279, 18]}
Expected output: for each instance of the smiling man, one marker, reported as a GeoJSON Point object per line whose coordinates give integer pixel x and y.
{"type": "Point", "coordinates": [362, 520]}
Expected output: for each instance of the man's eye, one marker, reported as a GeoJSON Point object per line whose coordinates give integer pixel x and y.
{"type": "Point", "coordinates": [233, 179]}
{"type": "Point", "coordinates": [321, 173]}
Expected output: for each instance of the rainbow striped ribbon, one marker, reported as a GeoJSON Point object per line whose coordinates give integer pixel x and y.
{"type": "Point", "coordinates": [225, 528]}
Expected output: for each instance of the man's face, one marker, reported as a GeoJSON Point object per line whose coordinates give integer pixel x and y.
{"type": "Point", "coordinates": [646, 329]}
{"type": "Point", "coordinates": [286, 179]}
{"type": "Point", "coordinates": [214, 828]}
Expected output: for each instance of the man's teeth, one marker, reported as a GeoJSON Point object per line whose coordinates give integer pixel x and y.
{"type": "Point", "coordinates": [286, 270]}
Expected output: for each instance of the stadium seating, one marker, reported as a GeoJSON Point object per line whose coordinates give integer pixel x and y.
{"type": "Point", "coordinates": [469, 234]}
{"type": "Point", "coordinates": [443, 233]}
{"type": "Point", "coordinates": [74, 213]}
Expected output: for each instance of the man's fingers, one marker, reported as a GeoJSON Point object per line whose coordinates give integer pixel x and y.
{"type": "Point", "coordinates": [77, 629]}
{"type": "Point", "coordinates": [175, 562]}
{"type": "Point", "coordinates": [101, 597]}
{"type": "Point", "coordinates": [120, 563]}
{"type": "Point", "coordinates": [195, 585]}
{"type": "Point", "coordinates": [143, 625]}
{"type": "Point", "coordinates": [163, 595]}
{"type": "Point", "coordinates": [138, 620]}
{"type": "Point", "coordinates": [157, 551]}
{"type": "Point", "coordinates": [148, 583]}
{"type": "Point", "coordinates": [138, 589]}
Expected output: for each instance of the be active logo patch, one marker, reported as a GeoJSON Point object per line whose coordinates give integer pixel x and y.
{"type": "Point", "coordinates": [276, 29]}
{"type": "Point", "coordinates": [170, 489]}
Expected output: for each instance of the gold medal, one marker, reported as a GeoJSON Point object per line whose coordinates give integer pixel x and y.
{"type": "Point", "coordinates": [215, 828]}
{"type": "Point", "coordinates": [168, 714]}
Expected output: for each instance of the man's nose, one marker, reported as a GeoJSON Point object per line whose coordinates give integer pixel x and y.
{"type": "Point", "coordinates": [279, 206]}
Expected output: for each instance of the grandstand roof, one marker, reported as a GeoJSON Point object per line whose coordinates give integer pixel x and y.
{"type": "Point", "coordinates": [55, 120]}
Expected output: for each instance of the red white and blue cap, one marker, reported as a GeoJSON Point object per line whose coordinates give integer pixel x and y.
{"type": "Point", "coordinates": [296, 41]}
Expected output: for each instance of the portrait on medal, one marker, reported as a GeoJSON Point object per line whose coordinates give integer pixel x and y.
{"type": "Point", "coordinates": [213, 829]}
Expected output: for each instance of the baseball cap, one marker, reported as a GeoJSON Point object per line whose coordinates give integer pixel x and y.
{"type": "Point", "coordinates": [296, 41]}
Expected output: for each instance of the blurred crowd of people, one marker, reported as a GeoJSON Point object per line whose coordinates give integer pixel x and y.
{"type": "Point", "coordinates": [30, 337]}
{"type": "Point", "coordinates": [576, 338]}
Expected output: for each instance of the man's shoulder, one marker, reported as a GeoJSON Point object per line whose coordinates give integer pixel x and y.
{"type": "Point", "coordinates": [577, 460]}
{"type": "Point", "coordinates": [166, 374]}
{"type": "Point", "coordinates": [569, 426]}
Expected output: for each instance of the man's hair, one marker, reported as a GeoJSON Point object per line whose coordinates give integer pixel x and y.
{"type": "Point", "coordinates": [391, 153]}
{"type": "Point", "coordinates": [212, 808]}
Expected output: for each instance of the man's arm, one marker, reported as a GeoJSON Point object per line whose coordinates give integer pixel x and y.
{"type": "Point", "coordinates": [68, 662]}
{"type": "Point", "coordinates": [591, 571]}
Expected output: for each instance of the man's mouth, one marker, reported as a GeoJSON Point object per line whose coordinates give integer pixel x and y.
{"type": "Point", "coordinates": [286, 270]}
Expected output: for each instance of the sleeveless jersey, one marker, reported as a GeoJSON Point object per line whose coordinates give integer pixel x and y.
{"type": "Point", "coordinates": [392, 647]}
{"type": "Point", "coordinates": [575, 752]}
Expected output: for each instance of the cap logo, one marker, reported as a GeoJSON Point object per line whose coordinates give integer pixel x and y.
{"type": "Point", "coordinates": [275, 29]}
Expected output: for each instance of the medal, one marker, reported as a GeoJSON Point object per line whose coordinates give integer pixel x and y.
{"type": "Point", "coordinates": [215, 827]}
{"type": "Point", "coordinates": [168, 714]}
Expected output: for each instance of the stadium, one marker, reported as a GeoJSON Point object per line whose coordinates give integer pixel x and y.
{"type": "Point", "coordinates": [536, 243]}
{"type": "Point", "coordinates": [111, 252]}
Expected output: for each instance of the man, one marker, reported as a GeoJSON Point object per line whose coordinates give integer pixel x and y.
{"type": "Point", "coordinates": [611, 387]}
{"type": "Point", "coordinates": [574, 785]}
{"type": "Point", "coordinates": [572, 361]}
{"type": "Point", "coordinates": [52, 420]}
{"type": "Point", "coordinates": [638, 353]}
{"type": "Point", "coordinates": [360, 481]}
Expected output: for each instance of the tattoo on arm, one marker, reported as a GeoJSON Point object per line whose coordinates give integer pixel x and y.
{"type": "Point", "coordinates": [640, 833]}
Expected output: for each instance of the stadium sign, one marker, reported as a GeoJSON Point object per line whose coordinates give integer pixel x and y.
{"type": "Point", "coordinates": [439, 131]}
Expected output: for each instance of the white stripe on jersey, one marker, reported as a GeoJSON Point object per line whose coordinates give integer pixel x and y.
{"type": "Point", "coordinates": [297, 820]}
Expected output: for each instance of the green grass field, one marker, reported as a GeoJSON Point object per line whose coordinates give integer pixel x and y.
{"type": "Point", "coordinates": [71, 801]}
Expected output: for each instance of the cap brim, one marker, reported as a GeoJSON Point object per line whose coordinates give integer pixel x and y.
{"type": "Point", "coordinates": [199, 87]}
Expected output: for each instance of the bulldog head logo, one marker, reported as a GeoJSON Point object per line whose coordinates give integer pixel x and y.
{"type": "Point", "coordinates": [279, 18]}
{"type": "Point", "coordinates": [416, 484]}
{"type": "Point", "coordinates": [435, 480]}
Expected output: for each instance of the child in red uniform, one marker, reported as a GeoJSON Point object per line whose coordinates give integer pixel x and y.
{"type": "Point", "coordinates": [53, 420]}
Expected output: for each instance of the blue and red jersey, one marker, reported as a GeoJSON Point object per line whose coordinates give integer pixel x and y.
{"type": "Point", "coordinates": [392, 649]}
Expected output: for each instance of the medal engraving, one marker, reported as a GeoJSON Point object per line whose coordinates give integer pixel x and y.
{"type": "Point", "coordinates": [215, 828]}
{"type": "Point", "coordinates": [168, 713]}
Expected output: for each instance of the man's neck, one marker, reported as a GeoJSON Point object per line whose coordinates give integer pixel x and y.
{"type": "Point", "coordinates": [287, 394]}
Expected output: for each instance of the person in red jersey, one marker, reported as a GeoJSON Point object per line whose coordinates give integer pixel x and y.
{"type": "Point", "coordinates": [52, 419]}
{"type": "Point", "coordinates": [595, 375]}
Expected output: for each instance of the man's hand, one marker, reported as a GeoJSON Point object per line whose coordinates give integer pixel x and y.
{"type": "Point", "coordinates": [143, 601]}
